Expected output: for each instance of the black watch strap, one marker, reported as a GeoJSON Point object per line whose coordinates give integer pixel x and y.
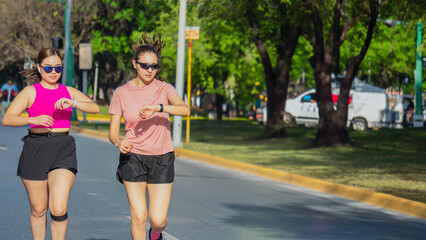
{"type": "Point", "coordinates": [161, 107]}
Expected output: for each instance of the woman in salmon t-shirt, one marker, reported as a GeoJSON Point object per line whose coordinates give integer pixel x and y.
{"type": "Point", "coordinates": [48, 162]}
{"type": "Point", "coordinates": [147, 154]}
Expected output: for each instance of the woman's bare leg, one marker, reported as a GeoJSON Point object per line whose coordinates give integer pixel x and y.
{"type": "Point", "coordinates": [60, 182]}
{"type": "Point", "coordinates": [38, 197]}
{"type": "Point", "coordinates": [137, 203]}
{"type": "Point", "coordinates": [159, 201]}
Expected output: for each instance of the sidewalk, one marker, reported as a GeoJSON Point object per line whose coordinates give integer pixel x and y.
{"type": "Point", "coordinates": [386, 201]}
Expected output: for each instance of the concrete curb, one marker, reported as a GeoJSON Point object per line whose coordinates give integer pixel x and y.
{"type": "Point", "coordinates": [409, 207]}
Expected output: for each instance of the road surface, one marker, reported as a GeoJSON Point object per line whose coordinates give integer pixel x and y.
{"type": "Point", "coordinates": [208, 203]}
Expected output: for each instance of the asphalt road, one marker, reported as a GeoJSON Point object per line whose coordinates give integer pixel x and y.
{"type": "Point", "coordinates": [208, 202]}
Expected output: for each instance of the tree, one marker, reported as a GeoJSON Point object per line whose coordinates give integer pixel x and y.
{"type": "Point", "coordinates": [224, 63]}
{"type": "Point", "coordinates": [391, 56]}
{"type": "Point", "coordinates": [24, 30]}
{"type": "Point", "coordinates": [228, 68]}
{"type": "Point", "coordinates": [274, 27]}
{"type": "Point", "coordinates": [300, 66]}
{"type": "Point", "coordinates": [329, 33]}
{"type": "Point", "coordinates": [29, 26]}
{"type": "Point", "coordinates": [114, 36]}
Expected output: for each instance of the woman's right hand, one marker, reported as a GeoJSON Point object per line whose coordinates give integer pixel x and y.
{"type": "Point", "coordinates": [42, 120]}
{"type": "Point", "coordinates": [124, 146]}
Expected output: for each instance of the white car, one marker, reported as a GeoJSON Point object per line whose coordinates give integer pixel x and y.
{"type": "Point", "coordinates": [366, 109]}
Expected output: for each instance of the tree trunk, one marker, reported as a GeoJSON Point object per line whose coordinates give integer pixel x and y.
{"type": "Point", "coordinates": [105, 91]}
{"type": "Point", "coordinates": [277, 79]}
{"type": "Point", "coordinates": [332, 127]}
{"type": "Point", "coordinates": [220, 79]}
{"type": "Point", "coordinates": [275, 105]}
{"type": "Point", "coordinates": [382, 77]}
{"type": "Point", "coordinates": [329, 126]}
{"type": "Point", "coordinates": [237, 108]}
{"type": "Point", "coordinates": [218, 104]}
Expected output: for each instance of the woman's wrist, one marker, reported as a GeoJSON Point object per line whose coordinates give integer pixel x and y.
{"type": "Point", "coordinates": [74, 103]}
{"type": "Point", "coordinates": [30, 120]}
{"type": "Point", "coordinates": [161, 108]}
{"type": "Point", "coordinates": [116, 142]}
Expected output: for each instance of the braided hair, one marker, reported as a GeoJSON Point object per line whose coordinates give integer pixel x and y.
{"type": "Point", "coordinates": [150, 45]}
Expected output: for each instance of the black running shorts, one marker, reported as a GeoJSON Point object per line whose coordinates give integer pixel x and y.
{"type": "Point", "coordinates": [40, 155]}
{"type": "Point", "coordinates": [143, 168]}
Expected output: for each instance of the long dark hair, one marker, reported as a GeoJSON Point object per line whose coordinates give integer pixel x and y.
{"type": "Point", "coordinates": [32, 76]}
{"type": "Point", "coordinates": [150, 45]}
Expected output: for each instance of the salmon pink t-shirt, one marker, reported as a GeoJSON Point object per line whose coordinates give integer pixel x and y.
{"type": "Point", "coordinates": [149, 136]}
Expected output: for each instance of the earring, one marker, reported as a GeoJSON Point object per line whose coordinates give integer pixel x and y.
{"type": "Point", "coordinates": [39, 69]}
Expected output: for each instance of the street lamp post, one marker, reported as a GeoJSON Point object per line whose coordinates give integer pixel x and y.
{"type": "Point", "coordinates": [418, 115]}
{"type": "Point", "coordinates": [68, 73]}
{"type": "Point", "coordinates": [68, 61]}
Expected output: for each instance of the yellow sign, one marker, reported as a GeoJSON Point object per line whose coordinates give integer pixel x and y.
{"type": "Point", "coordinates": [192, 32]}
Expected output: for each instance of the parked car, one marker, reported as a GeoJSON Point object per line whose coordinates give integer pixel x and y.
{"type": "Point", "coordinates": [366, 109]}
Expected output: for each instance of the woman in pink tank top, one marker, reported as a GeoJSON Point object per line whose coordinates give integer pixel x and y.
{"type": "Point", "coordinates": [146, 153]}
{"type": "Point", "coordinates": [48, 162]}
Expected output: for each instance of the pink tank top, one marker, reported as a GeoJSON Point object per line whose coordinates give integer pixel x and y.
{"type": "Point", "coordinates": [44, 104]}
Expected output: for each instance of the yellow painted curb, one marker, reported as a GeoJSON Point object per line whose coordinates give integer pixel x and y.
{"type": "Point", "coordinates": [409, 207]}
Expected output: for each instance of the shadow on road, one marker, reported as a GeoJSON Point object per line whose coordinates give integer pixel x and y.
{"type": "Point", "coordinates": [299, 221]}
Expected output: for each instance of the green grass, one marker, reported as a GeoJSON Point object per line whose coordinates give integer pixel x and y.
{"type": "Point", "coordinates": [389, 160]}
{"type": "Point", "coordinates": [103, 113]}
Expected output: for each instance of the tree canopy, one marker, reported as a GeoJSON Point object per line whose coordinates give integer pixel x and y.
{"type": "Point", "coordinates": [246, 48]}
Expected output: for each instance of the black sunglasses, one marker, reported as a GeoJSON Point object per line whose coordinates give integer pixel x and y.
{"type": "Point", "coordinates": [147, 66]}
{"type": "Point", "coordinates": [48, 69]}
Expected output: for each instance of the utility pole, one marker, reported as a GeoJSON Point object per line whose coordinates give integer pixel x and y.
{"type": "Point", "coordinates": [177, 121]}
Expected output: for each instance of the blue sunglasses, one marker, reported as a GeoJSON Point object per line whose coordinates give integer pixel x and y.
{"type": "Point", "coordinates": [48, 69]}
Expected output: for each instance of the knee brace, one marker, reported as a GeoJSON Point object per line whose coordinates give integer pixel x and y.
{"type": "Point", "coordinates": [59, 218]}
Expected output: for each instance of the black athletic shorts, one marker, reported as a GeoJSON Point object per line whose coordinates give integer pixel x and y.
{"type": "Point", "coordinates": [144, 168]}
{"type": "Point", "coordinates": [42, 154]}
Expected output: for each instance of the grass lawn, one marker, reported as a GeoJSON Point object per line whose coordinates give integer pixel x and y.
{"type": "Point", "coordinates": [388, 160]}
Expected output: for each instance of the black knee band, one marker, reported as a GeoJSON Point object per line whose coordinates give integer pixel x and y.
{"type": "Point", "coordinates": [60, 218]}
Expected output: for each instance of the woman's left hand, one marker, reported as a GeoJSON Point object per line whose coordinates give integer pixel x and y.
{"type": "Point", "coordinates": [63, 103]}
{"type": "Point", "coordinates": [148, 111]}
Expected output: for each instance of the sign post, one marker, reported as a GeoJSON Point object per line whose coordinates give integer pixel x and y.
{"type": "Point", "coordinates": [190, 33]}
{"type": "Point", "coordinates": [96, 81]}
{"type": "Point", "coordinates": [85, 63]}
